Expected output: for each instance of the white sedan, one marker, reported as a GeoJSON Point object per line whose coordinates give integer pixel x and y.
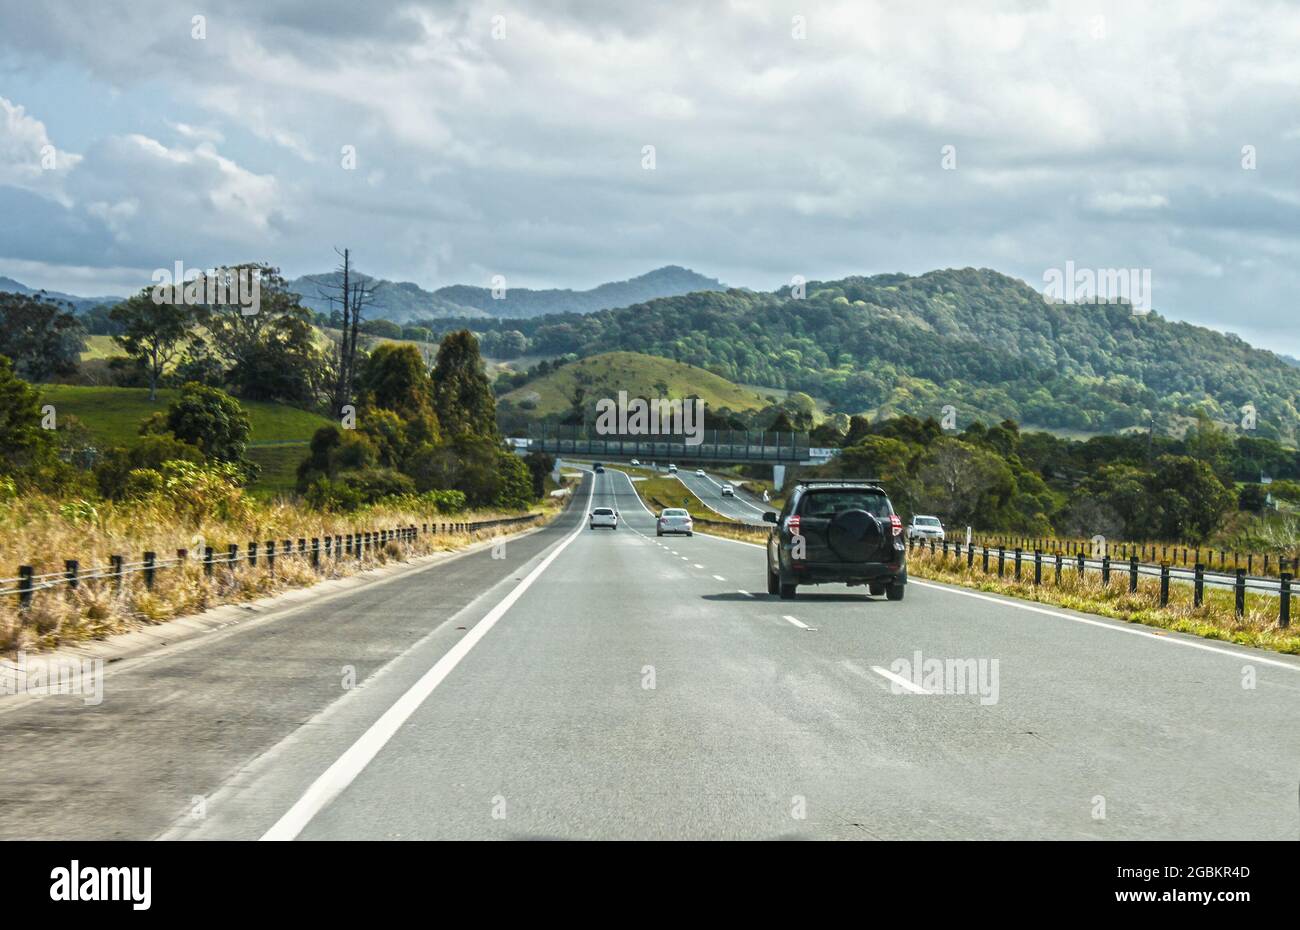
{"type": "Point", "coordinates": [674, 520]}
{"type": "Point", "coordinates": [728, 491]}
{"type": "Point", "coordinates": [603, 516]}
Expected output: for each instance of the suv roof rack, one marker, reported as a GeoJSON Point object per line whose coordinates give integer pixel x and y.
{"type": "Point", "coordinates": [871, 481]}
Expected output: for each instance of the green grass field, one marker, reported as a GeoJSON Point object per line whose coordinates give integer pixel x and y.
{"type": "Point", "coordinates": [607, 374]}
{"type": "Point", "coordinates": [112, 415]}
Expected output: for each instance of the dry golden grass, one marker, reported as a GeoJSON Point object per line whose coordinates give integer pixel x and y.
{"type": "Point", "coordinates": [1215, 619]}
{"type": "Point", "coordinates": [43, 532]}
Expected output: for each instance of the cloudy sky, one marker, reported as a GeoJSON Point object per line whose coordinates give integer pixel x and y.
{"type": "Point", "coordinates": [790, 138]}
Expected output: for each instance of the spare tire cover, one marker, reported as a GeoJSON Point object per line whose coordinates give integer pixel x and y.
{"type": "Point", "coordinates": [855, 536]}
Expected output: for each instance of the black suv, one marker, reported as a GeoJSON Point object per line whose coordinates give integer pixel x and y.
{"type": "Point", "coordinates": [841, 531]}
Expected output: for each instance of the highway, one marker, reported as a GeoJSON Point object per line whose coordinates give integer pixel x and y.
{"type": "Point", "coordinates": [709, 490]}
{"type": "Point", "coordinates": [609, 684]}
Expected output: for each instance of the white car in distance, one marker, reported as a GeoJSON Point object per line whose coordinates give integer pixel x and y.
{"type": "Point", "coordinates": [674, 520]}
{"type": "Point", "coordinates": [728, 491]}
{"type": "Point", "coordinates": [603, 516]}
{"type": "Point", "coordinates": [923, 528]}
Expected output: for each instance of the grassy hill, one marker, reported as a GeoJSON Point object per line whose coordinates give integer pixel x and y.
{"type": "Point", "coordinates": [112, 415]}
{"type": "Point", "coordinates": [606, 374]}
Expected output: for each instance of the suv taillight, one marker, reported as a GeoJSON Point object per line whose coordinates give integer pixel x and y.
{"type": "Point", "coordinates": [896, 523]}
{"type": "Point", "coordinates": [792, 524]}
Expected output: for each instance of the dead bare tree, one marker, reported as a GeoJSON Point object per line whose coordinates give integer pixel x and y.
{"type": "Point", "coordinates": [351, 296]}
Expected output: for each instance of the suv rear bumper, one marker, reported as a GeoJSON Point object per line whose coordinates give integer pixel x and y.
{"type": "Point", "coordinates": [844, 572]}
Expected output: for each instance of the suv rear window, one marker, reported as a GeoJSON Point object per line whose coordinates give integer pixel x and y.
{"type": "Point", "coordinates": [830, 502]}
{"type": "Point", "coordinates": [603, 511]}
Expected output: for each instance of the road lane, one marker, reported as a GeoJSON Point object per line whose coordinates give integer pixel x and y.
{"type": "Point", "coordinates": [756, 726]}
{"type": "Point", "coordinates": [709, 491]}
{"type": "Point", "coordinates": [176, 725]}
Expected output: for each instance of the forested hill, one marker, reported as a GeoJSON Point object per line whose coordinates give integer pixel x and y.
{"type": "Point", "coordinates": [982, 341]}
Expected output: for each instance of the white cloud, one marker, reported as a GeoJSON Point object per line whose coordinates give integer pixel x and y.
{"type": "Point", "coordinates": [28, 158]}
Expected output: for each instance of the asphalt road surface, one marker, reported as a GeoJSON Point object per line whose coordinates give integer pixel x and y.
{"type": "Point", "coordinates": [709, 491]}
{"type": "Point", "coordinates": [610, 684]}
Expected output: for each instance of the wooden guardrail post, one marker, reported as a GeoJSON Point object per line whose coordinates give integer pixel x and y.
{"type": "Point", "coordinates": [252, 553]}
{"type": "Point", "coordinates": [270, 556]}
{"type": "Point", "coordinates": [1059, 560]}
{"type": "Point", "coordinates": [1038, 567]}
{"type": "Point", "coordinates": [232, 556]}
{"type": "Point", "coordinates": [72, 569]}
{"type": "Point", "coordinates": [1018, 556]}
{"type": "Point", "coordinates": [115, 563]}
{"type": "Point", "coordinates": [150, 562]}
{"type": "Point", "coordinates": [25, 573]}
{"type": "Point", "coordinates": [1133, 575]}
{"type": "Point", "coordinates": [1002, 561]}
{"type": "Point", "coordinates": [1164, 584]}
{"type": "Point", "coordinates": [208, 560]}
{"type": "Point", "coordinates": [1105, 570]}
{"type": "Point", "coordinates": [1284, 600]}
{"type": "Point", "coordinates": [1198, 585]}
{"type": "Point", "coordinates": [1239, 588]}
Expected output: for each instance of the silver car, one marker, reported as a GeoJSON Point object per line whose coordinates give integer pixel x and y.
{"type": "Point", "coordinates": [603, 516]}
{"type": "Point", "coordinates": [674, 520]}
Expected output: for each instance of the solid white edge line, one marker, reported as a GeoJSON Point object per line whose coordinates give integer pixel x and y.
{"type": "Point", "coordinates": [1111, 625]}
{"type": "Point", "coordinates": [335, 779]}
{"type": "Point", "coordinates": [1105, 624]}
{"type": "Point", "coordinates": [899, 680]}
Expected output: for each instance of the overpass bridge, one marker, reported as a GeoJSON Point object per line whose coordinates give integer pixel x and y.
{"type": "Point", "coordinates": [716, 446]}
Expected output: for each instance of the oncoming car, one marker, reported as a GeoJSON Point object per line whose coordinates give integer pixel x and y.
{"type": "Point", "coordinates": [674, 520]}
{"type": "Point", "coordinates": [841, 531]}
{"type": "Point", "coordinates": [672, 469]}
{"type": "Point", "coordinates": [728, 491]}
{"type": "Point", "coordinates": [699, 473]}
{"type": "Point", "coordinates": [603, 516]}
{"type": "Point", "coordinates": [923, 527]}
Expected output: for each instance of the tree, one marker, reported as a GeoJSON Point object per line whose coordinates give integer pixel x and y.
{"type": "Point", "coordinates": [394, 377]}
{"type": "Point", "coordinates": [1189, 499]}
{"type": "Point", "coordinates": [24, 445]}
{"type": "Point", "coordinates": [153, 334]}
{"type": "Point", "coordinates": [212, 420]}
{"type": "Point", "coordinates": [349, 298]}
{"type": "Point", "coordinates": [964, 483]}
{"type": "Point", "coordinates": [271, 354]}
{"type": "Point", "coordinates": [462, 396]}
{"type": "Point", "coordinates": [39, 336]}
{"type": "Point", "coordinates": [1252, 497]}
{"type": "Point", "coordinates": [540, 465]}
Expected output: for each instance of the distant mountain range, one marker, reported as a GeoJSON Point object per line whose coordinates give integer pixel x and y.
{"type": "Point", "coordinates": [404, 302]}
{"type": "Point", "coordinates": [79, 304]}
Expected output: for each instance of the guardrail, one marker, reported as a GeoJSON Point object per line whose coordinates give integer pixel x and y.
{"type": "Point", "coordinates": [1239, 581]}
{"type": "Point", "coordinates": [314, 550]}
{"type": "Point", "coordinates": [1187, 555]}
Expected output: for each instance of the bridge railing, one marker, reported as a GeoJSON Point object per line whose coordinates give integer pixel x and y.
{"type": "Point", "coordinates": [728, 445]}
